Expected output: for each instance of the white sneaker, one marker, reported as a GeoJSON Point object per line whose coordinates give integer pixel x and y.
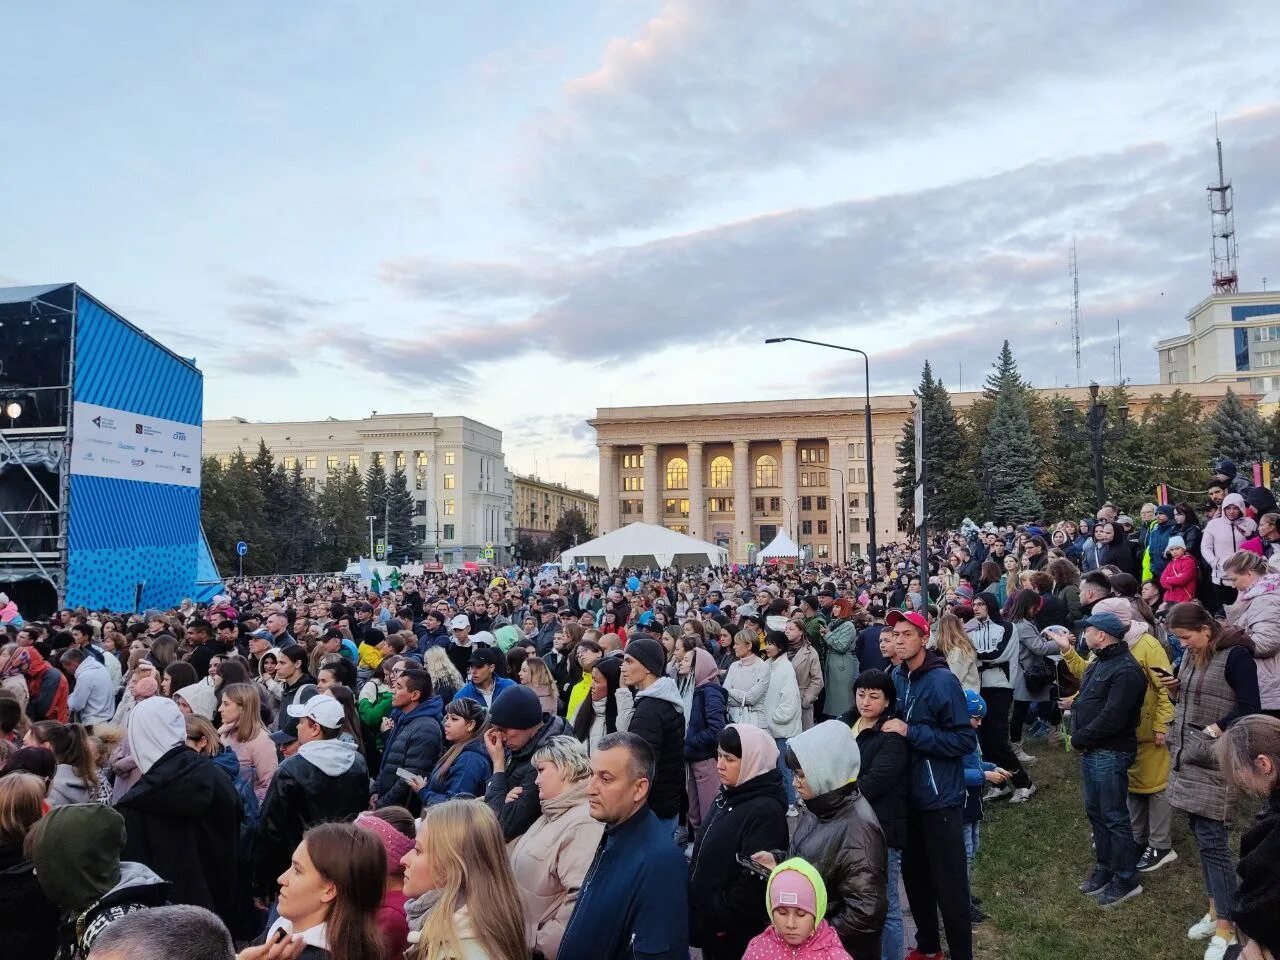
{"type": "Point", "coordinates": [1022, 755]}
{"type": "Point", "coordinates": [997, 793]}
{"type": "Point", "coordinates": [1023, 794]}
{"type": "Point", "coordinates": [1217, 948]}
{"type": "Point", "coordinates": [1202, 929]}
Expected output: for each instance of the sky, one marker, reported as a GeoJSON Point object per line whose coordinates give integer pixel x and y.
{"type": "Point", "coordinates": [521, 212]}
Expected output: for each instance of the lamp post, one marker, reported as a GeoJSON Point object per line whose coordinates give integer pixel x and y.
{"type": "Point", "coordinates": [871, 482]}
{"type": "Point", "coordinates": [840, 533]}
{"type": "Point", "coordinates": [1095, 422]}
{"type": "Point", "coordinates": [436, 509]}
{"type": "Point", "coordinates": [371, 517]}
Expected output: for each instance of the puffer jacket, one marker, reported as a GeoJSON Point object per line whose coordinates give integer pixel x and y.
{"type": "Point", "coordinates": [414, 743]}
{"type": "Point", "coordinates": [882, 778]}
{"type": "Point", "coordinates": [782, 700]}
{"type": "Point", "coordinates": [707, 717]}
{"type": "Point", "coordinates": [1179, 579]}
{"type": "Point", "coordinates": [466, 777]}
{"type": "Point", "coordinates": [837, 832]}
{"type": "Point", "coordinates": [67, 786]}
{"type": "Point", "coordinates": [746, 685]}
{"type": "Point", "coordinates": [658, 720]}
{"type": "Point", "coordinates": [1257, 612]}
{"type": "Point", "coordinates": [1222, 537]}
{"type": "Point", "coordinates": [550, 861]}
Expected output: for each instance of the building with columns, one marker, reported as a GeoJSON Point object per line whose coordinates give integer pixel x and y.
{"type": "Point", "coordinates": [736, 473]}
{"type": "Point", "coordinates": [455, 467]}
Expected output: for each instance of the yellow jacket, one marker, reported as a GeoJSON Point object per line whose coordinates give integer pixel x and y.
{"type": "Point", "coordinates": [369, 656]}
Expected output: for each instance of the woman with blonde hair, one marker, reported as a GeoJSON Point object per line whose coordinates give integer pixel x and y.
{"type": "Point", "coordinates": [551, 859]}
{"type": "Point", "coordinates": [535, 675]}
{"type": "Point", "coordinates": [954, 644]}
{"type": "Point", "coordinates": [459, 854]}
{"type": "Point", "coordinates": [445, 679]}
{"type": "Point", "coordinates": [27, 917]}
{"type": "Point", "coordinates": [243, 732]}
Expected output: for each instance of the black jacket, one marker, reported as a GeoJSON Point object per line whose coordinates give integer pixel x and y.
{"type": "Point", "coordinates": [1254, 910]}
{"type": "Point", "coordinates": [28, 919]}
{"type": "Point", "coordinates": [300, 796]}
{"type": "Point", "coordinates": [1107, 709]}
{"type": "Point", "coordinates": [546, 636]}
{"type": "Point", "coordinates": [726, 901]}
{"type": "Point", "coordinates": [838, 834]}
{"type": "Point", "coordinates": [203, 654]}
{"type": "Point", "coordinates": [660, 723]}
{"type": "Point", "coordinates": [883, 779]}
{"type": "Point", "coordinates": [287, 697]}
{"type": "Point", "coordinates": [182, 819]}
{"type": "Point", "coordinates": [414, 743]}
{"type": "Point", "coordinates": [517, 816]}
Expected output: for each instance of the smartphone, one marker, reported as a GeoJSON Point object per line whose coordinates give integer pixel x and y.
{"type": "Point", "coordinates": [1160, 670]}
{"type": "Point", "coordinates": [406, 775]}
{"type": "Point", "coordinates": [758, 869]}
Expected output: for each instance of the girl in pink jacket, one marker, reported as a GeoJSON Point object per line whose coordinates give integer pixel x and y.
{"type": "Point", "coordinates": [1179, 576]}
{"type": "Point", "coordinates": [796, 899]}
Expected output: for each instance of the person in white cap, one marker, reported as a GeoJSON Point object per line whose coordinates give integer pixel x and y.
{"type": "Point", "coordinates": [459, 650]}
{"type": "Point", "coordinates": [325, 780]}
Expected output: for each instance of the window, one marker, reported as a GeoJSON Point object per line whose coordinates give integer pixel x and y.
{"type": "Point", "coordinates": [855, 525]}
{"type": "Point", "coordinates": [721, 472]}
{"type": "Point", "coordinates": [354, 460]}
{"type": "Point", "coordinates": [400, 460]}
{"type": "Point", "coordinates": [450, 481]}
{"type": "Point", "coordinates": [804, 479]}
{"type": "Point", "coordinates": [309, 482]}
{"type": "Point", "coordinates": [626, 506]}
{"type": "Point", "coordinates": [775, 504]}
{"type": "Point", "coordinates": [1257, 334]}
{"type": "Point", "coordinates": [822, 526]}
{"type": "Point", "coordinates": [853, 502]}
{"type": "Point", "coordinates": [450, 507]}
{"type": "Point", "coordinates": [633, 461]}
{"type": "Point", "coordinates": [420, 508]}
{"type": "Point", "coordinates": [677, 474]}
{"type": "Point", "coordinates": [822, 550]}
{"type": "Point", "coordinates": [420, 481]}
{"type": "Point", "coordinates": [633, 483]}
{"type": "Point", "coordinates": [857, 451]}
{"type": "Point", "coordinates": [422, 460]}
{"type": "Point", "coordinates": [310, 462]}
{"type": "Point", "coordinates": [379, 459]}
{"type": "Point", "coordinates": [862, 475]}
{"type": "Point", "coordinates": [766, 471]}
{"type": "Point", "coordinates": [806, 503]}
{"type": "Point", "coordinates": [759, 504]}
{"type": "Point", "coordinates": [448, 531]}
{"type": "Point", "coordinates": [677, 506]}
{"type": "Point", "coordinates": [1266, 358]}
{"type": "Point", "coordinates": [822, 503]}
{"type": "Point", "coordinates": [721, 504]}
{"type": "Point", "coordinates": [290, 462]}
{"type": "Point", "coordinates": [806, 526]}
{"type": "Point", "coordinates": [331, 462]}
{"type": "Point", "coordinates": [448, 458]}
{"type": "Point", "coordinates": [813, 455]}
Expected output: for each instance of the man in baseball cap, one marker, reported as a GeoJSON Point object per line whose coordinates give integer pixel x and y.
{"type": "Point", "coordinates": [936, 725]}
{"type": "Point", "coordinates": [488, 676]}
{"type": "Point", "coordinates": [459, 650]}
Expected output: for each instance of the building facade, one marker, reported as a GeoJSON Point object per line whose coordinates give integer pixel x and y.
{"type": "Point", "coordinates": [736, 473]}
{"type": "Point", "coordinates": [455, 467]}
{"type": "Point", "coordinates": [539, 505]}
{"type": "Point", "coordinates": [1232, 338]}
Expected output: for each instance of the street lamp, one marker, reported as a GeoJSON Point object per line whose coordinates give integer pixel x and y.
{"type": "Point", "coordinates": [840, 531]}
{"type": "Point", "coordinates": [1096, 423]}
{"type": "Point", "coordinates": [871, 482]}
{"type": "Point", "coordinates": [371, 517]}
{"type": "Point", "coordinates": [436, 509]}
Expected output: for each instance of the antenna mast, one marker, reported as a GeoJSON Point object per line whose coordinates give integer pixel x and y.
{"type": "Point", "coordinates": [1221, 213]}
{"type": "Point", "coordinates": [1075, 308]}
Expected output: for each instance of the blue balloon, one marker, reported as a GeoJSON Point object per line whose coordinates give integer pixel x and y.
{"type": "Point", "coordinates": [633, 583]}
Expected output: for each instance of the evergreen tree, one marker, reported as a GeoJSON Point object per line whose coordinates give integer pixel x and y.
{"type": "Point", "coordinates": [217, 513]}
{"type": "Point", "coordinates": [400, 528]}
{"type": "Point", "coordinates": [1009, 453]}
{"type": "Point", "coordinates": [1236, 432]}
{"type": "Point", "coordinates": [299, 532]}
{"type": "Point", "coordinates": [375, 491]}
{"type": "Point", "coordinates": [905, 475]}
{"type": "Point", "coordinates": [248, 523]}
{"type": "Point", "coordinates": [340, 511]}
{"type": "Point", "coordinates": [1273, 443]}
{"type": "Point", "coordinates": [1066, 487]}
{"type": "Point", "coordinates": [951, 494]}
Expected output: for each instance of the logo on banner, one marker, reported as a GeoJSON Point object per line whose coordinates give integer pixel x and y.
{"type": "Point", "coordinates": [156, 450]}
{"type": "Point", "coordinates": [103, 423]}
{"type": "Point", "coordinates": [185, 469]}
{"type": "Point", "coordinates": [179, 435]}
{"type": "Point", "coordinates": [126, 446]}
{"type": "Point", "coordinates": [145, 431]}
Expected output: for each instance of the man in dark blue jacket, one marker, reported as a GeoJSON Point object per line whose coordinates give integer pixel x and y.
{"type": "Point", "coordinates": [413, 740]}
{"type": "Point", "coordinates": [633, 903]}
{"type": "Point", "coordinates": [431, 632]}
{"type": "Point", "coordinates": [935, 722]}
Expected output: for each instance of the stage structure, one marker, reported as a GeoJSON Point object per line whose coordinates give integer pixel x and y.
{"type": "Point", "coordinates": [99, 459]}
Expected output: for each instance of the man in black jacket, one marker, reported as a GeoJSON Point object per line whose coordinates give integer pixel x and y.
{"type": "Point", "coordinates": [325, 780]}
{"type": "Point", "coordinates": [292, 671]}
{"type": "Point", "coordinates": [517, 729]}
{"type": "Point", "coordinates": [1104, 723]}
{"type": "Point", "coordinates": [658, 720]}
{"type": "Point", "coordinates": [206, 646]}
{"type": "Point", "coordinates": [415, 737]}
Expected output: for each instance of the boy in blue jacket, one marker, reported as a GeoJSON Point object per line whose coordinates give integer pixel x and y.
{"type": "Point", "coordinates": [935, 723]}
{"type": "Point", "coordinates": [977, 774]}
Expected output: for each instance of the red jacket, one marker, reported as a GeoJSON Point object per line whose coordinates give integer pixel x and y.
{"type": "Point", "coordinates": [1179, 579]}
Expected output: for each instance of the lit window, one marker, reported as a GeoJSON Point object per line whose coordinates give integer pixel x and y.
{"type": "Point", "coordinates": [448, 458]}
{"type": "Point", "coordinates": [804, 479]}
{"type": "Point", "coordinates": [290, 462]}
{"type": "Point", "coordinates": [822, 550]}
{"type": "Point", "coordinates": [354, 460]}
{"type": "Point", "coordinates": [766, 471]}
{"type": "Point", "coordinates": [449, 507]}
{"type": "Point", "coordinates": [311, 461]}
{"type": "Point", "coordinates": [450, 482]}
{"type": "Point", "coordinates": [309, 482]}
{"type": "Point", "coordinates": [633, 483]}
{"type": "Point", "coordinates": [379, 459]}
{"type": "Point", "coordinates": [422, 459]}
{"type": "Point", "coordinates": [400, 461]}
{"type": "Point", "coordinates": [677, 474]}
{"type": "Point", "coordinates": [721, 472]}
{"type": "Point", "coordinates": [331, 462]}
{"type": "Point", "coordinates": [721, 504]}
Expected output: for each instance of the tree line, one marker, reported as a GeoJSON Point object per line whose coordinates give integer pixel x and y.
{"type": "Point", "coordinates": [1017, 455]}
{"type": "Point", "coordinates": [292, 528]}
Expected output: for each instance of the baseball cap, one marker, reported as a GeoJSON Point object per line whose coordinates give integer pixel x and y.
{"type": "Point", "coordinates": [460, 622]}
{"type": "Point", "coordinates": [487, 657]}
{"type": "Point", "coordinates": [324, 710]}
{"type": "Point", "coordinates": [915, 619]}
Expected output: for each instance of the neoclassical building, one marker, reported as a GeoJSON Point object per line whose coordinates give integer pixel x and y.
{"type": "Point", "coordinates": [735, 473]}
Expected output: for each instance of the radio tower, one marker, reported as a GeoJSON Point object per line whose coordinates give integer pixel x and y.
{"type": "Point", "coordinates": [1075, 308]}
{"type": "Point", "coordinates": [1225, 275]}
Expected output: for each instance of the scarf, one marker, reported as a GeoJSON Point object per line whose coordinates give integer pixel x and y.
{"type": "Point", "coordinates": [759, 751]}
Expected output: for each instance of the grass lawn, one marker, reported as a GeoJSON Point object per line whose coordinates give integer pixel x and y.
{"type": "Point", "coordinates": [1032, 857]}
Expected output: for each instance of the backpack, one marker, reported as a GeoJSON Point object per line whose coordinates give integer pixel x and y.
{"type": "Point", "coordinates": [1039, 675]}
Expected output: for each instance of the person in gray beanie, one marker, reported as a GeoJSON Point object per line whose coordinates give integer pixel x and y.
{"type": "Point", "coordinates": [518, 727]}
{"type": "Point", "coordinates": [658, 719]}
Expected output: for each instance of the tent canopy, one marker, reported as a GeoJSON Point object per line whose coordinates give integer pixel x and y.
{"type": "Point", "coordinates": [645, 545]}
{"type": "Point", "coordinates": [781, 546]}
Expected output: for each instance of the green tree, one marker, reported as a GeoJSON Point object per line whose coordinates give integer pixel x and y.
{"type": "Point", "coordinates": [375, 491]}
{"type": "Point", "coordinates": [1066, 487]}
{"type": "Point", "coordinates": [1009, 453]}
{"type": "Point", "coordinates": [248, 522]}
{"type": "Point", "coordinates": [217, 513]}
{"type": "Point", "coordinates": [1273, 442]}
{"type": "Point", "coordinates": [1236, 432]}
{"type": "Point", "coordinates": [400, 528]}
{"type": "Point", "coordinates": [571, 529]}
{"type": "Point", "coordinates": [269, 478]}
{"type": "Point", "coordinates": [300, 530]}
{"type": "Point", "coordinates": [340, 508]}
{"type": "Point", "coordinates": [951, 494]}
{"type": "Point", "coordinates": [905, 475]}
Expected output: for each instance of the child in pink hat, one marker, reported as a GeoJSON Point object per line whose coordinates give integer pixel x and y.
{"type": "Point", "coordinates": [797, 901]}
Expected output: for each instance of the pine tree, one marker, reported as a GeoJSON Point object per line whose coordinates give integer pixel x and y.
{"type": "Point", "coordinates": [1066, 487]}
{"type": "Point", "coordinates": [249, 519]}
{"type": "Point", "coordinates": [905, 475]}
{"type": "Point", "coordinates": [217, 512]}
{"type": "Point", "coordinates": [1009, 453]}
{"type": "Point", "coordinates": [340, 512]}
{"type": "Point", "coordinates": [1236, 432]}
{"type": "Point", "coordinates": [299, 532]}
{"type": "Point", "coordinates": [951, 494]}
{"type": "Point", "coordinates": [400, 528]}
{"type": "Point", "coordinates": [375, 490]}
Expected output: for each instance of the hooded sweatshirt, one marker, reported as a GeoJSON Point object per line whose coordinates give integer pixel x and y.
{"type": "Point", "coordinates": [658, 720]}
{"type": "Point", "coordinates": [823, 943]}
{"type": "Point", "coordinates": [200, 698]}
{"type": "Point", "coordinates": [155, 727]}
{"type": "Point", "coordinates": [1223, 537]}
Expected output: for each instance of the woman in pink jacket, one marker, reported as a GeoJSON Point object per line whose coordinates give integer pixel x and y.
{"type": "Point", "coordinates": [1180, 574]}
{"type": "Point", "coordinates": [243, 732]}
{"type": "Point", "coordinates": [1223, 536]}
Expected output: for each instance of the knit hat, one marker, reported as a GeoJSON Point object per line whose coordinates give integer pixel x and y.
{"type": "Point", "coordinates": [517, 708]}
{"type": "Point", "coordinates": [977, 707]}
{"type": "Point", "coordinates": [795, 883]}
{"type": "Point", "coordinates": [395, 843]}
{"type": "Point", "coordinates": [1174, 541]}
{"type": "Point", "coordinates": [649, 654]}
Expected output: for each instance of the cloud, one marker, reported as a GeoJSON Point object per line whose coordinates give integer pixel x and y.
{"type": "Point", "coordinates": [979, 259]}
{"type": "Point", "coordinates": [710, 91]}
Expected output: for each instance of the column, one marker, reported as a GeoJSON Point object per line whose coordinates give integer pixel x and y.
{"type": "Point", "coordinates": [608, 488]}
{"type": "Point", "coordinates": [790, 507]}
{"type": "Point", "coordinates": [838, 457]}
{"type": "Point", "coordinates": [697, 496]}
{"type": "Point", "coordinates": [741, 499]}
{"type": "Point", "coordinates": [652, 489]}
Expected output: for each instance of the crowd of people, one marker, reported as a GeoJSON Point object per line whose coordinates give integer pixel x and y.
{"type": "Point", "coordinates": [749, 761]}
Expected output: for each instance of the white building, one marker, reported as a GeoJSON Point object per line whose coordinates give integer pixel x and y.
{"type": "Point", "coordinates": [455, 467]}
{"type": "Point", "coordinates": [1231, 338]}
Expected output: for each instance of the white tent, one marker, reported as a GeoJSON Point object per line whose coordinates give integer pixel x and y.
{"type": "Point", "coordinates": [645, 545]}
{"type": "Point", "coordinates": [781, 546]}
